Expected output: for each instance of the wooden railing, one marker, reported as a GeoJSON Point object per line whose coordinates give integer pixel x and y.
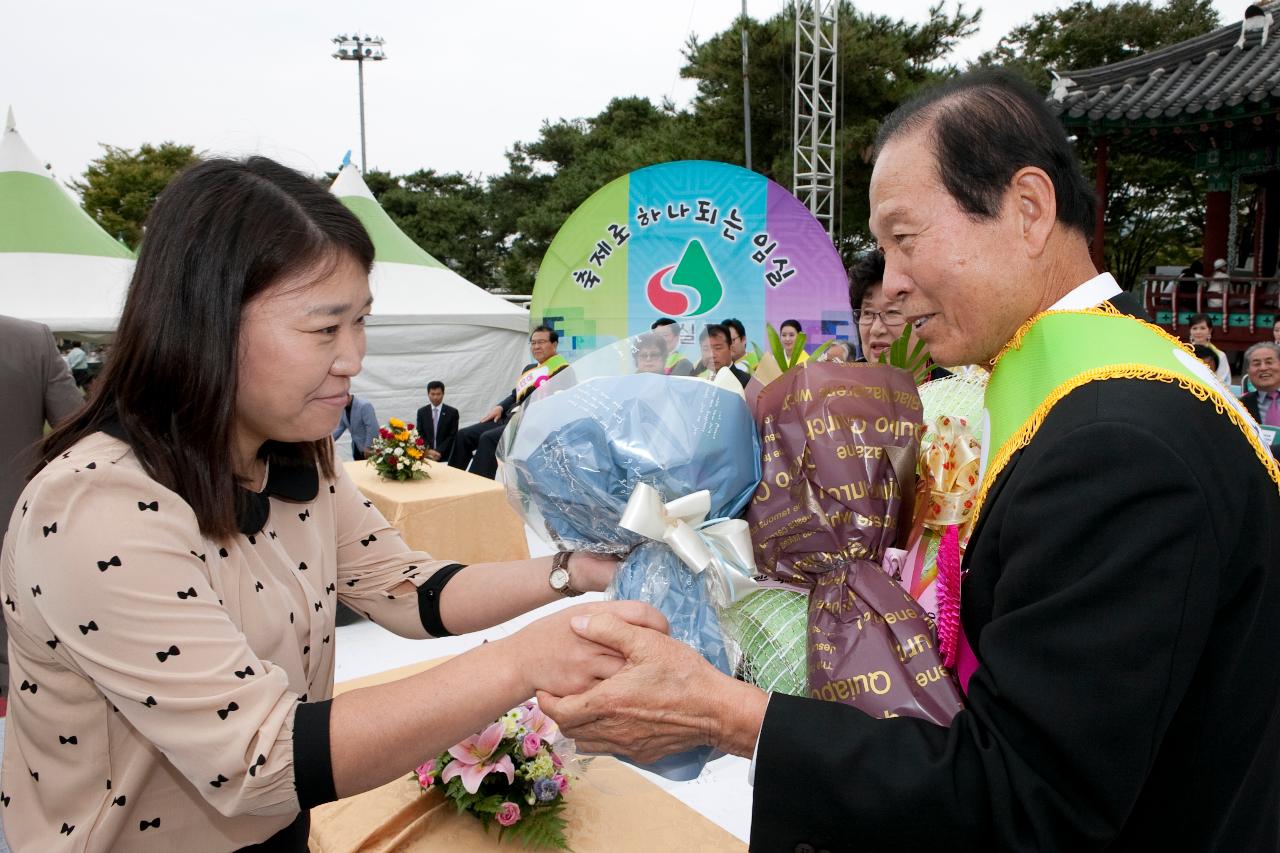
{"type": "Point", "coordinates": [1242, 309]}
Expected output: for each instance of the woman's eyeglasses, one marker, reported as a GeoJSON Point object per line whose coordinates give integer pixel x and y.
{"type": "Point", "coordinates": [891, 319]}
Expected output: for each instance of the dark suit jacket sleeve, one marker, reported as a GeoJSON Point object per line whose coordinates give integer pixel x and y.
{"type": "Point", "coordinates": [423, 421]}
{"type": "Point", "coordinates": [1096, 627]}
{"type": "Point", "coordinates": [508, 402]}
{"type": "Point", "coordinates": [61, 397]}
{"type": "Point", "coordinates": [448, 430]}
{"type": "Point", "coordinates": [1250, 402]}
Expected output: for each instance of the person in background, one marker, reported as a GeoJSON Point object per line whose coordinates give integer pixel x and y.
{"type": "Point", "coordinates": [839, 351]}
{"type": "Point", "coordinates": [477, 445]}
{"type": "Point", "coordinates": [1208, 355]}
{"type": "Point", "coordinates": [77, 360]}
{"type": "Point", "coordinates": [437, 423]}
{"type": "Point", "coordinates": [787, 333]}
{"type": "Point", "coordinates": [358, 417]}
{"type": "Point", "coordinates": [880, 321]}
{"type": "Point", "coordinates": [174, 566]}
{"type": "Point", "coordinates": [37, 388]}
{"type": "Point", "coordinates": [677, 364]}
{"type": "Point", "coordinates": [1218, 285]}
{"type": "Point", "coordinates": [1275, 330]}
{"type": "Point", "coordinates": [1201, 332]}
{"type": "Point", "coordinates": [1262, 361]}
{"type": "Point", "coordinates": [650, 353]}
{"type": "Point", "coordinates": [743, 360]}
{"type": "Point", "coordinates": [714, 340]}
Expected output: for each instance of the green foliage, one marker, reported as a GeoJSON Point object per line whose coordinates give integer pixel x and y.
{"type": "Point", "coordinates": [913, 359]}
{"type": "Point", "coordinates": [120, 187]}
{"type": "Point", "coordinates": [548, 830]}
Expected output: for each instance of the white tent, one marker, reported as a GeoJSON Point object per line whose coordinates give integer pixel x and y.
{"type": "Point", "coordinates": [429, 323]}
{"type": "Point", "coordinates": [57, 266]}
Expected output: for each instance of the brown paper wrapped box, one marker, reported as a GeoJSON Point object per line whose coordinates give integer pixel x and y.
{"type": "Point", "coordinates": [840, 443]}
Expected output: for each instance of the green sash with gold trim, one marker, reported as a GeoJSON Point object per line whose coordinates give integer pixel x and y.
{"type": "Point", "coordinates": [1058, 351]}
{"type": "Point", "coordinates": [536, 375]}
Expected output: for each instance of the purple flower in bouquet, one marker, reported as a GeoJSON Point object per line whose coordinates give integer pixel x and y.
{"type": "Point", "coordinates": [473, 760]}
{"type": "Point", "coordinates": [508, 814]}
{"type": "Point", "coordinates": [546, 790]}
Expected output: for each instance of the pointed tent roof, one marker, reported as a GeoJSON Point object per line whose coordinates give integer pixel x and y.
{"type": "Point", "coordinates": [36, 215]}
{"type": "Point", "coordinates": [57, 266]}
{"type": "Point", "coordinates": [409, 285]}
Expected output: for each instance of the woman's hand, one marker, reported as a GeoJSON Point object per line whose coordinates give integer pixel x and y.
{"type": "Point", "coordinates": [591, 572]}
{"type": "Point", "coordinates": [554, 659]}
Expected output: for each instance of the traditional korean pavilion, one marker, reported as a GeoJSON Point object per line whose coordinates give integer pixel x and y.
{"type": "Point", "coordinates": [1212, 100]}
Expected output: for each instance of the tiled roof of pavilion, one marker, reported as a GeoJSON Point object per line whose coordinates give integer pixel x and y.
{"type": "Point", "coordinates": [1233, 70]}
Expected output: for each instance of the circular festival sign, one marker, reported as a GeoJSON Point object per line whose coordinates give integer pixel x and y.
{"type": "Point", "coordinates": [696, 241]}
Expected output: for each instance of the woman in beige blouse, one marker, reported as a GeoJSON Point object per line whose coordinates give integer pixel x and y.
{"type": "Point", "coordinates": [171, 572]}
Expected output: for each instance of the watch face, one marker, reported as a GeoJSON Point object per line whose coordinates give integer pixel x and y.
{"type": "Point", "coordinates": [559, 579]}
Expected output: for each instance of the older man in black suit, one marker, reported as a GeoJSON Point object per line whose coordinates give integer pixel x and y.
{"type": "Point", "coordinates": [1118, 607]}
{"type": "Point", "coordinates": [437, 423]}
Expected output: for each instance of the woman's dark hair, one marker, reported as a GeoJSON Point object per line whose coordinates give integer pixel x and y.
{"type": "Point", "coordinates": [867, 271]}
{"type": "Point", "coordinates": [1197, 319]}
{"type": "Point", "coordinates": [795, 324]}
{"type": "Point", "coordinates": [986, 125]}
{"type": "Point", "coordinates": [220, 234]}
{"type": "Point", "coordinates": [1202, 352]}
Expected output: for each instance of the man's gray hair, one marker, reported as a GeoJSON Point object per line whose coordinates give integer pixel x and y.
{"type": "Point", "coordinates": [1274, 347]}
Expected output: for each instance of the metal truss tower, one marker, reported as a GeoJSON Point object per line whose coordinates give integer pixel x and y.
{"type": "Point", "coordinates": [813, 160]}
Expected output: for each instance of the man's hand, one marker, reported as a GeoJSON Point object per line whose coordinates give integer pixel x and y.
{"type": "Point", "coordinates": [553, 658]}
{"type": "Point", "coordinates": [665, 699]}
{"type": "Point", "coordinates": [433, 454]}
{"type": "Point", "coordinates": [492, 415]}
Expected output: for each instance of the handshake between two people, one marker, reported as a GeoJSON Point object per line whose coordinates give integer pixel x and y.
{"type": "Point", "coordinates": [613, 680]}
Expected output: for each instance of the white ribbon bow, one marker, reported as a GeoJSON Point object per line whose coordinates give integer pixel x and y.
{"type": "Point", "coordinates": [723, 544]}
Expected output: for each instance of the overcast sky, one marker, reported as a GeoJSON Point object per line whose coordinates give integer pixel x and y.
{"type": "Point", "coordinates": [464, 80]}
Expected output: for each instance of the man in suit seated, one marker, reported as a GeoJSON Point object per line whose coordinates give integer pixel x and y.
{"type": "Point", "coordinates": [437, 423]}
{"type": "Point", "coordinates": [477, 445]}
{"type": "Point", "coordinates": [716, 354]}
{"type": "Point", "coordinates": [1262, 361]}
{"type": "Point", "coordinates": [1117, 627]}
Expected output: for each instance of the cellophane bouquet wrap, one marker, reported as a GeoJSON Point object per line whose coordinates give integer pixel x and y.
{"type": "Point", "coordinates": [839, 449]}
{"type": "Point", "coordinates": [586, 447]}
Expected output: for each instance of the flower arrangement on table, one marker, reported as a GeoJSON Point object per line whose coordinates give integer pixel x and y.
{"type": "Point", "coordinates": [398, 453]}
{"type": "Point", "coordinates": [512, 773]}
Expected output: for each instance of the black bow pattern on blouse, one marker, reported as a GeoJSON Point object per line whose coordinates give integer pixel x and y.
{"type": "Point", "coordinates": [372, 538]}
{"type": "Point", "coordinates": [29, 685]}
{"type": "Point", "coordinates": [331, 588]}
{"type": "Point", "coordinates": [118, 801]}
{"type": "Point", "coordinates": [244, 673]}
{"type": "Point", "coordinates": [53, 644]}
{"type": "Point", "coordinates": [65, 740]}
{"type": "Point", "coordinates": [217, 783]}
{"type": "Point", "coordinates": [154, 506]}
{"type": "Point", "coordinates": [253, 768]}
{"type": "Point", "coordinates": [92, 626]}
{"type": "Point", "coordinates": [304, 515]}
{"type": "Point", "coordinates": [35, 590]}
{"type": "Point", "coordinates": [173, 652]}
{"type": "Point", "coordinates": [190, 593]}
{"type": "Point", "coordinates": [103, 565]}
{"type": "Point", "coordinates": [144, 824]}
{"type": "Point", "coordinates": [66, 829]}
{"type": "Point", "coordinates": [150, 702]}
{"type": "Point", "coordinates": [224, 712]}
{"type": "Point", "coordinates": [302, 567]}
{"type": "Point", "coordinates": [4, 798]}
{"type": "Point", "coordinates": [199, 557]}
{"type": "Point", "coordinates": [9, 602]}
{"type": "Point", "coordinates": [52, 528]}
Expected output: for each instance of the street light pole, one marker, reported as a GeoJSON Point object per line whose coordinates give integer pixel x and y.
{"type": "Point", "coordinates": [360, 48]}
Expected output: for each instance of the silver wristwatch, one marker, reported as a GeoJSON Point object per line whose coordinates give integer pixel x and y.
{"type": "Point", "coordinates": [559, 577]}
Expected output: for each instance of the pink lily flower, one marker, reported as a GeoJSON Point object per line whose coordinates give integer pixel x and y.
{"type": "Point", "coordinates": [472, 759]}
{"type": "Point", "coordinates": [538, 723]}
